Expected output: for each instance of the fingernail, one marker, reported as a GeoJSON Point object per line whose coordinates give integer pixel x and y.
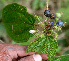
{"type": "Point", "coordinates": [37, 57]}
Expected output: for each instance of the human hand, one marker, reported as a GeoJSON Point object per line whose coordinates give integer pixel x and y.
{"type": "Point", "coordinates": [10, 52]}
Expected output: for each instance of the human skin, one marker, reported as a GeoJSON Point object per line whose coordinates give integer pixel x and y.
{"type": "Point", "coordinates": [11, 52]}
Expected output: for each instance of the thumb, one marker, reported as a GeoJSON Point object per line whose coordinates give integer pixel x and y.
{"type": "Point", "coordinates": [36, 57]}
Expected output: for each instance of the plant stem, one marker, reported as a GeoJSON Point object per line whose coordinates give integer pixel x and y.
{"type": "Point", "coordinates": [47, 4]}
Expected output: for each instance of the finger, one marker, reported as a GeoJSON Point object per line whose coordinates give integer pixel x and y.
{"type": "Point", "coordinates": [17, 50]}
{"type": "Point", "coordinates": [32, 58]}
{"type": "Point", "coordinates": [44, 57]}
{"type": "Point", "coordinates": [21, 50]}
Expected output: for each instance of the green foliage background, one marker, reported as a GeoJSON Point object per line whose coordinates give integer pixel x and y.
{"type": "Point", "coordinates": [38, 4]}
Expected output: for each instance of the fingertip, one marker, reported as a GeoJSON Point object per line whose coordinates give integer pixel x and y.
{"type": "Point", "coordinates": [37, 57]}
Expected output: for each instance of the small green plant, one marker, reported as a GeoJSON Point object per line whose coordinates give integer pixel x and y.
{"type": "Point", "coordinates": [19, 25]}
{"type": "Point", "coordinates": [47, 38]}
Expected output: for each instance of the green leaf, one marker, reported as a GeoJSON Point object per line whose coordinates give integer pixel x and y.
{"type": "Point", "coordinates": [61, 58]}
{"type": "Point", "coordinates": [18, 22]}
{"type": "Point", "coordinates": [44, 45]}
{"type": "Point", "coordinates": [24, 43]}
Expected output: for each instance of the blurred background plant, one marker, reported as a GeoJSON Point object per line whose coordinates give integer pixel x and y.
{"type": "Point", "coordinates": [37, 7]}
{"type": "Point", "coordinates": [38, 4]}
